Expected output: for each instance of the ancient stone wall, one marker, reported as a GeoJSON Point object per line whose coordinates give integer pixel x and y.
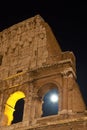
{"type": "Point", "coordinates": [52, 124]}
{"type": "Point", "coordinates": [21, 42]}
{"type": "Point", "coordinates": [32, 63]}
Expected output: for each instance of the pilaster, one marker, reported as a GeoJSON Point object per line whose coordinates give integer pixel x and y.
{"type": "Point", "coordinates": [27, 106]}
{"type": "Point", "coordinates": [65, 92]}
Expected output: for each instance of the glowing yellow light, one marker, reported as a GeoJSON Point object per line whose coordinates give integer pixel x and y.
{"type": "Point", "coordinates": [10, 105]}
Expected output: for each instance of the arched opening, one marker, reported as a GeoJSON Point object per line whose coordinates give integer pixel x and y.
{"type": "Point", "coordinates": [18, 113]}
{"type": "Point", "coordinates": [11, 106]}
{"type": "Point", "coordinates": [49, 93]}
{"type": "Point", "coordinates": [50, 103]}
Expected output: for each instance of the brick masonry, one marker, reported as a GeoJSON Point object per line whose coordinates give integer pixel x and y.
{"type": "Point", "coordinates": [32, 62]}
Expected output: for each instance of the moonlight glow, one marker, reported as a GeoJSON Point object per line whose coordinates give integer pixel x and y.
{"type": "Point", "coordinates": [54, 98]}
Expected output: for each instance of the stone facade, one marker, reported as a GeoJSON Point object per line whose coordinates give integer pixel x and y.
{"type": "Point", "coordinates": [31, 64]}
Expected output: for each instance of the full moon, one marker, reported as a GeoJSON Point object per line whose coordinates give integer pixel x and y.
{"type": "Point", "coordinates": [54, 98]}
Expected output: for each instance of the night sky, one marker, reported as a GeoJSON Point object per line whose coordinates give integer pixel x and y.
{"type": "Point", "coordinates": [67, 20]}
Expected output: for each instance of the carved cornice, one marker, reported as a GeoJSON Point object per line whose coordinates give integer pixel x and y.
{"type": "Point", "coordinates": [69, 72]}
{"type": "Point", "coordinates": [59, 68]}
{"type": "Point", "coordinates": [56, 68]}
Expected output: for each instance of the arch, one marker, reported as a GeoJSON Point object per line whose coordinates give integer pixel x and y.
{"type": "Point", "coordinates": [50, 107]}
{"type": "Point", "coordinates": [47, 87]}
{"type": "Point", "coordinates": [10, 105]}
{"type": "Point", "coordinates": [18, 113]}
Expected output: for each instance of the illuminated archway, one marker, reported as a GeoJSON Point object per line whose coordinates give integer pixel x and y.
{"type": "Point", "coordinates": [10, 105]}
{"type": "Point", "coordinates": [18, 113]}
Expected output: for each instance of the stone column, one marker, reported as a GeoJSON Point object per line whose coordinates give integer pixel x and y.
{"type": "Point", "coordinates": [26, 113]}
{"type": "Point", "coordinates": [38, 107]}
{"type": "Point", "coordinates": [70, 89]}
{"type": "Point", "coordinates": [1, 114]}
{"type": "Point", "coordinates": [60, 105]}
{"type": "Point", "coordinates": [32, 110]}
{"type": "Point", "coordinates": [1, 96]}
{"type": "Point", "coordinates": [65, 94]}
{"type": "Point", "coordinates": [27, 105]}
{"type": "Point", "coordinates": [0, 103]}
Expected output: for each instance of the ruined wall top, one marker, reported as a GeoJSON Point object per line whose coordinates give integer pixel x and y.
{"type": "Point", "coordinates": [27, 45]}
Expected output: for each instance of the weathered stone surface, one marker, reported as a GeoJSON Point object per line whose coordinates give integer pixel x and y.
{"type": "Point", "coordinates": [28, 38]}
{"type": "Point", "coordinates": [32, 63]}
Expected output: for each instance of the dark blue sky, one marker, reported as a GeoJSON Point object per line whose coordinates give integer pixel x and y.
{"type": "Point", "coordinates": [67, 20]}
{"type": "Point", "coordinates": [49, 107]}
